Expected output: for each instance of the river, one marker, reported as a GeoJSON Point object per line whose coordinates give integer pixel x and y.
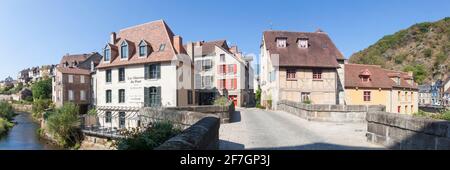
{"type": "Point", "coordinates": [23, 136]}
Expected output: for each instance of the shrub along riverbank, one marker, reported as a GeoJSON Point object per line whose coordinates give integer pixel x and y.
{"type": "Point", "coordinates": [6, 116]}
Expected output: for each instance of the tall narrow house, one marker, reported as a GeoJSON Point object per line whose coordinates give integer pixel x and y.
{"type": "Point", "coordinates": [143, 66]}
{"type": "Point", "coordinates": [301, 67]}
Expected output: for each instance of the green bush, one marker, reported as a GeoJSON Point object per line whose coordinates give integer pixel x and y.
{"type": "Point", "coordinates": [428, 53]}
{"type": "Point", "coordinates": [5, 125]}
{"type": "Point", "coordinates": [39, 106]}
{"type": "Point", "coordinates": [64, 124]}
{"type": "Point", "coordinates": [151, 138]}
{"type": "Point", "coordinates": [307, 102]}
{"type": "Point", "coordinates": [419, 71]}
{"type": "Point", "coordinates": [221, 101]}
{"type": "Point", "coordinates": [420, 113]}
{"type": "Point", "coordinates": [6, 111]}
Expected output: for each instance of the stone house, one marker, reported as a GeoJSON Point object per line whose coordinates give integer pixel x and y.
{"type": "Point", "coordinates": [300, 67]}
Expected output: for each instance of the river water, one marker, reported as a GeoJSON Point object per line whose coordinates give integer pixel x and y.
{"type": "Point", "coordinates": [23, 136]}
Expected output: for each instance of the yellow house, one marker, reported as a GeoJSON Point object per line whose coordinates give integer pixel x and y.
{"type": "Point", "coordinates": [373, 85]}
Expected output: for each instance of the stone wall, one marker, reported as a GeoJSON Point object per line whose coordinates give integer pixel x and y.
{"type": "Point", "coordinates": [404, 132]}
{"type": "Point", "coordinates": [225, 113]}
{"type": "Point", "coordinates": [22, 107]}
{"type": "Point", "coordinates": [203, 135]}
{"type": "Point", "coordinates": [328, 113]}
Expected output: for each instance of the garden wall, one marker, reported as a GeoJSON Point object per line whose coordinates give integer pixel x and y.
{"type": "Point", "coordinates": [405, 132]}
{"type": "Point", "coordinates": [225, 113]}
{"type": "Point", "coordinates": [328, 113]}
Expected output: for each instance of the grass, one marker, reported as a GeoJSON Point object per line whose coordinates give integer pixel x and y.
{"type": "Point", "coordinates": [445, 115]}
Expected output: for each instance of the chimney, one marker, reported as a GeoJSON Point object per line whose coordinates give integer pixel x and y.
{"type": "Point", "coordinates": [190, 49]}
{"type": "Point", "coordinates": [178, 43]}
{"type": "Point", "coordinates": [113, 38]}
{"type": "Point", "coordinates": [199, 43]}
{"type": "Point", "coordinates": [234, 49]}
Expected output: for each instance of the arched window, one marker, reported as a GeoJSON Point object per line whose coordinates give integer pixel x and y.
{"type": "Point", "coordinates": [107, 53]}
{"type": "Point", "coordinates": [143, 49]}
{"type": "Point", "coordinates": [124, 50]}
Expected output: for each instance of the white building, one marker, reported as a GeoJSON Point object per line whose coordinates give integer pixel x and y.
{"type": "Point", "coordinates": [143, 66]}
{"type": "Point", "coordinates": [221, 71]}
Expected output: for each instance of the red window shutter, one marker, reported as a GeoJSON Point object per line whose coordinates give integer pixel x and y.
{"type": "Point", "coordinates": [235, 69]}
{"type": "Point", "coordinates": [235, 82]}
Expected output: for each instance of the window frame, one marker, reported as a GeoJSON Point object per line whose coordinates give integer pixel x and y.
{"type": "Point", "coordinates": [124, 54]}
{"type": "Point", "coordinates": [121, 74]}
{"type": "Point", "coordinates": [71, 78]}
{"type": "Point", "coordinates": [108, 76]}
{"type": "Point", "coordinates": [281, 42]}
{"type": "Point", "coordinates": [83, 96]}
{"type": "Point", "coordinates": [108, 117]}
{"type": "Point", "coordinates": [71, 95]}
{"type": "Point", "coordinates": [107, 54]}
{"type": "Point", "coordinates": [143, 49]}
{"type": "Point", "coordinates": [367, 96]}
{"type": "Point", "coordinates": [108, 96]}
{"type": "Point", "coordinates": [121, 95]}
{"type": "Point", "coordinates": [317, 74]}
{"type": "Point", "coordinates": [291, 74]}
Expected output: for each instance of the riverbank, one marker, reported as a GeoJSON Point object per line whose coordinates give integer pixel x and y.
{"type": "Point", "coordinates": [24, 135]}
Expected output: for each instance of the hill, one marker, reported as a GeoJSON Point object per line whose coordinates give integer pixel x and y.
{"type": "Point", "coordinates": [423, 48]}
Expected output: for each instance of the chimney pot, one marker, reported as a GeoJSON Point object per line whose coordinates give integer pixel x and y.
{"type": "Point", "coordinates": [113, 38]}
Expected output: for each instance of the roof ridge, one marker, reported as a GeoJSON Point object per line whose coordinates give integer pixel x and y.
{"type": "Point", "coordinates": [150, 22]}
{"type": "Point", "coordinates": [370, 65]}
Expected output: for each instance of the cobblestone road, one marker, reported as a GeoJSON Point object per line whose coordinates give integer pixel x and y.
{"type": "Point", "coordinates": [277, 130]}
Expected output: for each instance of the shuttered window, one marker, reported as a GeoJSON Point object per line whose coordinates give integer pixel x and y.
{"type": "Point", "coordinates": [152, 96]}
{"type": "Point", "coordinates": [108, 96]}
{"type": "Point", "coordinates": [108, 76]}
{"type": "Point", "coordinates": [153, 71]}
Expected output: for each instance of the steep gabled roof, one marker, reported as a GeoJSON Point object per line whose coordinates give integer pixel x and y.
{"type": "Point", "coordinates": [74, 57]}
{"type": "Point", "coordinates": [321, 51]}
{"type": "Point", "coordinates": [154, 33]}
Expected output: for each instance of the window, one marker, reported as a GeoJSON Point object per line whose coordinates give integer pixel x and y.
{"type": "Point", "coordinates": [367, 96]}
{"type": "Point", "coordinates": [206, 65]}
{"type": "Point", "coordinates": [153, 71]}
{"type": "Point", "coordinates": [406, 96]}
{"type": "Point", "coordinates": [121, 74]}
{"type": "Point", "coordinates": [162, 47]}
{"type": "Point", "coordinates": [222, 69]}
{"type": "Point", "coordinates": [222, 57]}
{"type": "Point", "coordinates": [305, 97]}
{"type": "Point", "coordinates": [412, 108]}
{"type": "Point", "coordinates": [122, 116]}
{"type": "Point", "coordinates": [143, 49]}
{"type": "Point", "coordinates": [231, 69]}
{"type": "Point", "coordinates": [70, 78]}
{"type": "Point", "coordinates": [290, 74]}
{"type": "Point", "coordinates": [108, 117]}
{"type": "Point", "coordinates": [71, 97]}
{"type": "Point", "coordinates": [152, 96]}
{"type": "Point", "coordinates": [121, 96]}
{"type": "Point", "coordinates": [82, 81]}
{"type": "Point", "coordinates": [317, 74]}
{"type": "Point", "coordinates": [281, 42]}
{"type": "Point", "coordinates": [399, 109]}
{"type": "Point", "coordinates": [124, 50]}
{"type": "Point", "coordinates": [221, 84]}
{"type": "Point", "coordinates": [207, 81]}
{"type": "Point", "coordinates": [83, 95]}
{"type": "Point", "coordinates": [189, 97]}
{"type": "Point", "coordinates": [303, 43]}
{"type": "Point", "coordinates": [107, 54]}
{"type": "Point", "coordinates": [399, 94]}
{"type": "Point", "coordinates": [108, 76]}
{"type": "Point", "coordinates": [406, 109]}
{"type": "Point", "coordinates": [365, 79]}
{"type": "Point", "coordinates": [108, 96]}
{"type": "Point", "coordinates": [412, 96]}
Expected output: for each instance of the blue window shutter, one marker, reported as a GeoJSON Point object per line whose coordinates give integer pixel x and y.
{"type": "Point", "coordinates": [146, 96]}
{"type": "Point", "coordinates": [158, 97]}
{"type": "Point", "coordinates": [146, 74]}
{"type": "Point", "coordinates": [158, 68]}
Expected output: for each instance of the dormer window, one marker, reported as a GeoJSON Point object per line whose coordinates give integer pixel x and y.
{"type": "Point", "coordinates": [281, 42]}
{"type": "Point", "coordinates": [365, 76]}
{"type": "Point", "coordinates": [124, 50]}
{"type": "Point", "coordinates": [302, 43]}
{"type": "Point", "coordinates": [107, 54]}
{"type": "Point", "coordinates": [143, 49]}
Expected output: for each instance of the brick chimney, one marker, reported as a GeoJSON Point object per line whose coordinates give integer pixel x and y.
{"type": "Point", "coordinates": [190, 49]}
{"type": "Point", "coordinates": [234, 49]}
{"type": "Point", "coordinates": [178, 43]}
{"type": "Point", "coordinates": [113, 38]}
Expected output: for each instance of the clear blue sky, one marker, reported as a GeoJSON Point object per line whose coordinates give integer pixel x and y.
{"type": "Point", "coordinates": [40, 32]}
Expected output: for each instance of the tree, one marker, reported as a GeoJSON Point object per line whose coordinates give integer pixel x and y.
{"type": "Point", "coordinates": [258, 96]}
{"type": "Point", "coordinates": [42, 89]}
{"type": "Point", "coordinates": [419, 71]}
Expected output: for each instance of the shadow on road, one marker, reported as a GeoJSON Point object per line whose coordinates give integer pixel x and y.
{"type": "Point", "coordinates": [236, 117]}
{"type": "Point", "coordinates": [228, 145]}
{"type": "Point", "coordinates": [318, 146]}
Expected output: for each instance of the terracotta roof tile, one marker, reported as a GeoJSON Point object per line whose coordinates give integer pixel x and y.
{"type": "Point", "coordinates": [380, 78]}
{"type": "Point", "coordinates": [321, 51]}
{"type": "Point", "coordinates": [155, 34]}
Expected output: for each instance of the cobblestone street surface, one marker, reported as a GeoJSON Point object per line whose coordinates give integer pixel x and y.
{"type": "Point", "coordinates": [276, 130]}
